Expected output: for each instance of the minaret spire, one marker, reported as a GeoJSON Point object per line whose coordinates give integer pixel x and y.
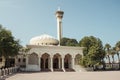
{"type": "Point", "coordinates": [59, 16]}
{"type": "Point", "coordinates": [59, 8]}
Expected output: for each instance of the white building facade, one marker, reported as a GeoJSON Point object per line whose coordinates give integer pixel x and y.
{"type": "Point", "coordinates": [46, 54]}
{"type": "Point", "coordinates": [52, 58]}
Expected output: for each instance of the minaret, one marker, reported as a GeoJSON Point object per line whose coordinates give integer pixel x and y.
{"type": "Point", "coordinates": [59, 16]}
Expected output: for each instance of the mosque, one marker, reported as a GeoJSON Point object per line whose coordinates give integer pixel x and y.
{"type": "Point", "coordinates": [46, 54]}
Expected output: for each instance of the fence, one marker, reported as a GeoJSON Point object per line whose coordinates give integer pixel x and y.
{"type": "Point", "coordinates": [7, 71]}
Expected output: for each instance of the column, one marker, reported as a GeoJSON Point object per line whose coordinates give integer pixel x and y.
{"type": "Point", "coordinates": [63, 64]}
{"type": "Point", "coordinates": [59, 62]}
{"type": "Point", "coordinates": [6, 71]}
{"type": "Point", "coordinates": [51, 60]}
{"type": "Point", "coordinates": [9, 70]}
{"type": "Point", "coordinates": [39, 62]}
{"type": "Point", "coordinates": [73, 63]}
{"type": "Point", "coordinates": [3, 72]}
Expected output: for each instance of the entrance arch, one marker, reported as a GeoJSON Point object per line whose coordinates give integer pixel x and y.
{"type": "Point", "coordinates": [45, 61]}
{"type": "Point", "coordinates": [78, 57]}
{"type": "Point", "coordinates": [57, 61]}
{"type": "Point", "coordinates": [42, 62]}
{"type": "Point", "coordinates": [46, 64]}
{"type": "Point", "coordinates": [67, 61]}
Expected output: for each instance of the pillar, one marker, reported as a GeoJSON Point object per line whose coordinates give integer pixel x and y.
{"type": "Point", "coordinates": [59, 62]}
{"type": "Point", "coordinates": [63, 64]}
{"type": "Point", "coordinates": [6, 71]}
{"type": "Point", "coordinates": [9, 70]}
{"type": "Point", "coordinates": [73, 62]}
{"type": "Point", "coordinates": [39, 62]}
{"type": "Point", "coordinates": [3, 72]}
{"type": "Point", "coordinates": [51, 60]}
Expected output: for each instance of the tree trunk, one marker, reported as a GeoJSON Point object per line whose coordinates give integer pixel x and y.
{"type": "Point", "coordinates": [118, 57]}
{"type": "Point", "coordinates": [109, 59]}
{"type": "Point", "coordinates": [103, 63]}
{"type": "Point", "coordinates": [118, 60]}
{"type": "Point", "coordinates": [113, 61]}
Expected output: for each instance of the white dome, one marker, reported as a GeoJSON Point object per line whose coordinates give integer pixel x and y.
{"type": "Point", "coordinates": [44, 40]}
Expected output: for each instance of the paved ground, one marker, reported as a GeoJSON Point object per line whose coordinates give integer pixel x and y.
{"type": "Point", "coordinates": [112, 75]}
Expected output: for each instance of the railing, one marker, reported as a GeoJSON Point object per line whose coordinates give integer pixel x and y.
{"type": "Point", "coordinates": [7, 71]}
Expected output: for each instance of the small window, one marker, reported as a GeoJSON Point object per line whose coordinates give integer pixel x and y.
{"type": "Point", "coordinates": [0, 59]}
{"type": "Point", "coordinates": [24, 60]}
{"type": "Point", "coordinates": [19, 60]}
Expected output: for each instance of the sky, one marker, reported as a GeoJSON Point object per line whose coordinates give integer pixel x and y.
{"type": "Point", "coordinates": [30, 18]}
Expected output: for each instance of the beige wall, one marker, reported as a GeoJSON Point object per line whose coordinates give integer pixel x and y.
{"type": "Point", "coordinates": [19, 63]}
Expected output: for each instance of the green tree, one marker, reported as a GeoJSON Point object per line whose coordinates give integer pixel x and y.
{"type": "Point", "coordinates": [64, 41]}
{"type": "Point", "coordinates": [24, 50]}
{"type": "Point", "coordinates": [8, 45]}
{"type": "Point", "coordinates": [107, 50]}
{"type": "Point", "coordinates": [68, 42]}
{"type": "Point", "coordinates": [94, 52]}
{"type": "Point", "coordinates": [113, 52]}
{"type": "Point", "coordinates": [117, 51]}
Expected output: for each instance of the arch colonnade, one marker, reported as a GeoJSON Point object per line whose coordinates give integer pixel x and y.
{"type": "Point", "coordinates": [49, 62]}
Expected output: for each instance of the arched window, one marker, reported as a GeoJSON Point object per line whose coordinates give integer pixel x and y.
{"type": "Point", "coordinates": [67, 61]}
{"type": "Point", "coordinates": [19, 60]}
{"type": "Point", "coordinates": [45, 61]}
{"type": "Point", "coordinates": [57, 61]}
{"type": "Point", "coordinates": [24, 60]}
{"type": "Point", "coordinates": [33, 59]}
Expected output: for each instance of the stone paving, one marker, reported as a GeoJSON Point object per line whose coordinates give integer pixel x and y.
{"type": "Point", "coordinates": [108, 75]}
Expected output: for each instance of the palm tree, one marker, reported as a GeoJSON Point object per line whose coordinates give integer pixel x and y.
{"type": "Point", "coordinates": [113, 52]}
{"type": "Point", "coordinates": [107, 49]}
{"type": "Point", "coordinates": [118, 49]}
{"type": "Point", "coordinates": [117, 52]}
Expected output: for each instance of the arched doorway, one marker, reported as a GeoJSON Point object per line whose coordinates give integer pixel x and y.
{"type": "Point", "coordinates": [42, 62]}
{"type": "Point", "coordinates": [57, 61]}
{"type": "Point", "coordinates": [45, 61]}
{"type": "Point", "coordinates": [78, 58]}
{"type": "Point", "coordinates": [67, 61]}
{"type": "Point", "coordinates": [46, 64]}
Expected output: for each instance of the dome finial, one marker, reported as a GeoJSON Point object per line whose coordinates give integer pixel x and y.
{"type": "Point", "coordinates": [59, 8]}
